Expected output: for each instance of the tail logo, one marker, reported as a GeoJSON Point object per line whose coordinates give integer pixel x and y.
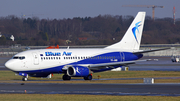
{"type": "Point", "coordinates": [136, 28]}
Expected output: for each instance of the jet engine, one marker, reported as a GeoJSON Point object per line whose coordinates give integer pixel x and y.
{"type": "Point", "coordinates": [78, 71]}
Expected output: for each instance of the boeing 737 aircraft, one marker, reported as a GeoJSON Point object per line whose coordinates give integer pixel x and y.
{"type": "Point", "coordinates": [81, 62]}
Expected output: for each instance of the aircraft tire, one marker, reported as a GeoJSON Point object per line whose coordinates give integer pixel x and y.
{"type": "Point", "coordinates": [24, 79]}
{"type": "Point", "coordinates": [66, 77]}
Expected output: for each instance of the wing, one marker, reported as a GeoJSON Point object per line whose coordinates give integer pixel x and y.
{"type": "Point", "coordinates": [124, 63]}
{"type": "Point", "coordinates": [111, 65]}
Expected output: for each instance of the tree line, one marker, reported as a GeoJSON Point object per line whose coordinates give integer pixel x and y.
{"type": "Point", "coordinates": [99, 30]}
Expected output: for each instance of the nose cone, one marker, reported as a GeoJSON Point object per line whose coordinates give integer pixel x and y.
{"type": "Point", "coordinates": [9, 64]}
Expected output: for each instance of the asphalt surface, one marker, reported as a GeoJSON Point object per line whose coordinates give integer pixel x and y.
{"type": "Point", "coordinates": [93, 89]}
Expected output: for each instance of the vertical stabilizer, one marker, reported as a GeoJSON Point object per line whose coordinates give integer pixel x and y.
{"type": "Point", "coordinates": [132, 38]}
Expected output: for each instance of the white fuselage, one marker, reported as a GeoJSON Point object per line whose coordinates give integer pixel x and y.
{"type": "Point", "coordinates": [49, 58]}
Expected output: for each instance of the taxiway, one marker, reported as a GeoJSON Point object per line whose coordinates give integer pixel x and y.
{"type": "Point", "coordinates": [94, 89]}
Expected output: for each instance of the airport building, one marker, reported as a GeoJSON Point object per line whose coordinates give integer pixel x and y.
{"type": "Point", "coordinates": [12, 50]}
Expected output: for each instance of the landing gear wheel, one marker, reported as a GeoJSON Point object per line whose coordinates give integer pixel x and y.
{"type": "Point", "coordinates": [66, 77]}
{"type": "Point", "coordinates": [89, 77]}
{"type": "Point", "coordinates": [24, 79]}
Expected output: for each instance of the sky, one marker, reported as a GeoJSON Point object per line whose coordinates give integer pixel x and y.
{"type": "Point", "coordinates": [60, 9]}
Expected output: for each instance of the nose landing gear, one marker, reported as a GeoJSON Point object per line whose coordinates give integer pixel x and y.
{"type": "Point", "coordinates": [25, 78]}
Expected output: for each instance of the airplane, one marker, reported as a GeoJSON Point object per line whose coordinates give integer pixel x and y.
{"type": "Point", "coordinates": [82, 62]}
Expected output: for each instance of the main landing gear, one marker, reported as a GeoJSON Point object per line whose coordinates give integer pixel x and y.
{"type": "Point", "coordinates": [66, 77]}
{"type": "Point", "coordinates": [89, 77]}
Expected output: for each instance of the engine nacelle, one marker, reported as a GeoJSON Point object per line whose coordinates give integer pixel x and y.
{"type": "Point", "coordinates": [78, 71]}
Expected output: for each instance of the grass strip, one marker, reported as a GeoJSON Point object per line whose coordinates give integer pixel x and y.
{"type": "Point", "coordinates": [9, 76]}
{"type": "Point", "coordinates": [69, 97]}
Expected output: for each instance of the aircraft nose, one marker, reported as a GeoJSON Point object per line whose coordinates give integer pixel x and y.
{"type": "Point", "coordinates": [9, 65]}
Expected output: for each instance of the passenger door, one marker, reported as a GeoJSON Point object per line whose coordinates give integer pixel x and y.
{"type": "Point", "coordinates": [35, 58]}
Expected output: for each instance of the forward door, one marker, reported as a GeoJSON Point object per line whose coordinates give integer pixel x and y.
{"type": "Point", "coordinates": [35, 59]}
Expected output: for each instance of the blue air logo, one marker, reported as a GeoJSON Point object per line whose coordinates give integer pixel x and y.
{"type": "Point", "coordinates": [53, 54]}
{"type": "Point", "coordinates": [57, 54]}
{"type": "Point", "coordinates": [67, 53]}
{"type": "Point", "coordinates": [134, 30]}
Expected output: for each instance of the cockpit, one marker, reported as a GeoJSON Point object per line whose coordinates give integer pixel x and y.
{"type": "Point", "coordinates": [19, 57]}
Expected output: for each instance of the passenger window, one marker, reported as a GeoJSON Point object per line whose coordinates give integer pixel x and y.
{"type": "Point", "coordinates": [59, 58]}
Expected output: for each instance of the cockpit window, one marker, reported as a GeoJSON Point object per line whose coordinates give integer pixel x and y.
{"type": "Point", "coordinates": [20, 57]}
{"type": "Point", "coordinates": [15, 57]}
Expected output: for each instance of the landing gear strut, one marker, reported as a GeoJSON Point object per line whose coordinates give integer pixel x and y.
{"type": "Point", "coordinates": [66, 77]}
